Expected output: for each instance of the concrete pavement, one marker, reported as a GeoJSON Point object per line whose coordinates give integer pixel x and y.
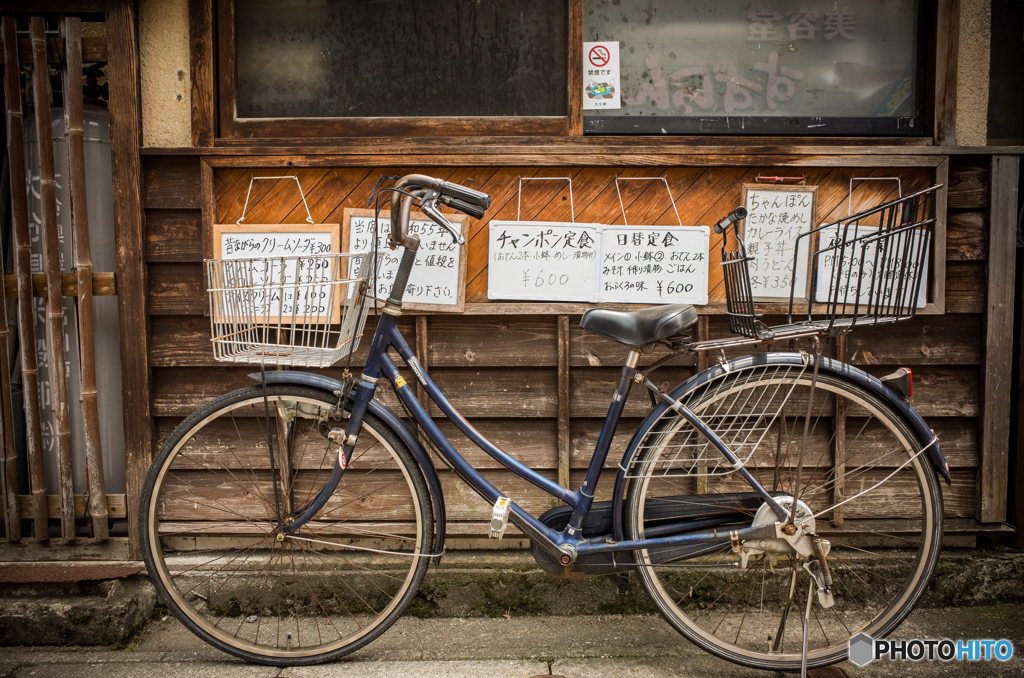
{"type": "Point", "coordinates": [592, 646]}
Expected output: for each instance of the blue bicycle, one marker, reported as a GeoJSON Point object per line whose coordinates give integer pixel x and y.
{"type": "Point", "coordinates": [292, 522]}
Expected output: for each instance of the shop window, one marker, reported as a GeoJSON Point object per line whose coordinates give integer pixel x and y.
{"type": "Point", "coordinates": [332, 67]}
{"type": "Point", "coordinates": [807, 67]}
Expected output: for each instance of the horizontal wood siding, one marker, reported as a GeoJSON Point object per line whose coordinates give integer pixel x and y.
{"type": "Point", "coordinates": [502, 371]}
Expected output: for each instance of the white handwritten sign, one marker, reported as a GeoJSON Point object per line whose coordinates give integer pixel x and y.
{"type": "Point", "coordinates": [904, 254]}
{"type": "Point", "coordinates": [437, 281]}
{"type": "Point", "coordinates": [282, 285]}
{"type": "Point", "coordinates": [540, 260]}
{"type": "Point", "coordinates": [776, 217]}
{"type": "Point", "coordinates": [654, 264]}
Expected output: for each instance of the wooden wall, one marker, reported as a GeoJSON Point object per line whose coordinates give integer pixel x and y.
{"type": "Point", "coordinates": [500, 363]}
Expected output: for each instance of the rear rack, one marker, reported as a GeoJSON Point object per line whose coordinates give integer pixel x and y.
{"type": "Point", "coordinates": [869, 271]}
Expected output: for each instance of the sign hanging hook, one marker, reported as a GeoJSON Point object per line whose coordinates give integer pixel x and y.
{"type": "Point", "coordinates": [309, 217]}
{"type": "Point", "coordinates": [661, 179]}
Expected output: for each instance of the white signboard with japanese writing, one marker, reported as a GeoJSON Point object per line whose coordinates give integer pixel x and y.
{"type": "Point", "coordinates": [275, 247]}
{"type": "Point", "coordinates": [601, 76]}
{"type": "Point", "coordinates": [654, 264]}
{"type": "Point", "coordinates": [899, 255]}
{"type": "Point", "coordinates": [539, 260]}
{"type": "Point", "coordinates": [438, 278]}
{"type": "Point", "coordinates": [776, 216]}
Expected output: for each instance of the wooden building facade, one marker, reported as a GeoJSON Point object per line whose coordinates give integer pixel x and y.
{"type": "Point", "coordinates": [524, 373]}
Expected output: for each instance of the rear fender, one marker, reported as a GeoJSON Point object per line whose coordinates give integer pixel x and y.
{"type": "Point", "coordinates": [392, 420]}
{"type": "Point", "coordinates": [924, 433]}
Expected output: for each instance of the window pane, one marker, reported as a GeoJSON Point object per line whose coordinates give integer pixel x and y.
{"type": "Point", "coordinates": [705, 59]}
{"type": "Point", "coordinates": [358, 58]}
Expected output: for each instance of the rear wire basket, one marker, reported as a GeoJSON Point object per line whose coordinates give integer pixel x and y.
{"type": "Point", "coordinates": [300, 311]}
{"type": "Point", "coordinates": [868, 269]}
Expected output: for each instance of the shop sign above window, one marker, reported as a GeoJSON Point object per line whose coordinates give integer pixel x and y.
{"type": "Point", "coordinates": [764, 67]}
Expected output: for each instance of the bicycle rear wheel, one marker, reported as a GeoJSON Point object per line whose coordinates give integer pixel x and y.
{"type": "Point", "coordinates": [211, 544]}
{"type": "Point", "coordinates": [885, 538]}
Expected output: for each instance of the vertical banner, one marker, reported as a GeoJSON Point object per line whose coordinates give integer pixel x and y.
{"type": "Point", "coordinates": [601, 75]}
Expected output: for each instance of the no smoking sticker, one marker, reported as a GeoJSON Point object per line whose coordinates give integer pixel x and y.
{"type": "Point", "coordinates": [601, 76]}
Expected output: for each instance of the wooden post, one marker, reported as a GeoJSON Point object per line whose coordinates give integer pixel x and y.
{"type": "Point", "coordinates": [9, 463]}
{"type": "Point", "coordinates": [23, 269]}
{"type": "Point", "coordinates": [564, 440]}
{"type": "Point", "coordinates": [126, 138]}
{"type": "Point", "coordinates": [200, 28]}
{"type": "Point", "coordinates": [73, 122]}
{"type": "Point", "coordinates": [995, 416]}
{"type": "Point", "coordinates": [946, 51]}
{"type": "Point", "coordinates": [51, 264]}
{"type": "Point", "coordinates": [421, 355]}
{"type": "Point", "coordinates": [839, 435]}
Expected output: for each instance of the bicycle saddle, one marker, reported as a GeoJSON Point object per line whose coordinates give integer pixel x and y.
{"type": "Point", "coordinates": [641, 327]}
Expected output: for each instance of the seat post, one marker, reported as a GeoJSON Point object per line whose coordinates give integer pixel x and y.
{"type": "Point", "coordinates": [632, 358]}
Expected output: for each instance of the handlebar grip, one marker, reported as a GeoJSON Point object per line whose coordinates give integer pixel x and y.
{"type": "Point", "coordinates": [467, 195]}
{"type": "Point", "coordinates": [465, 208]}
{"type": "Point", "coordinates": [734, 216]}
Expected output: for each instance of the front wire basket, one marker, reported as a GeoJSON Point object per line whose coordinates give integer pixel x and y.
{"type": "Point", "coordinates": [301, 311]}
{"type": "Point", "coordinates": [869, 269]}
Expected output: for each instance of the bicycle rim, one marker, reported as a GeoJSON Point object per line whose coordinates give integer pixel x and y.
{"type": "Point", "coordinates": [212, 548]}
{"type": "Point", "coordinates": [885, 538]}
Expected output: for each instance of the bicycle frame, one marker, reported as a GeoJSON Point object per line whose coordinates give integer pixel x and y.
{"type": "Point", "coordinates": [567, 544]}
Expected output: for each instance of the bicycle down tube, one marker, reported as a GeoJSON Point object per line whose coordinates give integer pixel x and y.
{"type": "Point", "coordinates": [379, 364]}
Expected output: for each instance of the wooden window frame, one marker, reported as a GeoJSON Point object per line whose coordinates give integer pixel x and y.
{"type": "Point", "coordinates": [233, 127]}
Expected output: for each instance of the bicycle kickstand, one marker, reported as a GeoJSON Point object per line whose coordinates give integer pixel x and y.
{"type": "Point", "coordinates": [807, 626]}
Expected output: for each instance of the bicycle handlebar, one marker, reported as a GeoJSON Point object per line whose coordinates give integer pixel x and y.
{"type": "Point", "coordinates": [428, 190]}
{"type": "Point", "coordinates": [732, 218]}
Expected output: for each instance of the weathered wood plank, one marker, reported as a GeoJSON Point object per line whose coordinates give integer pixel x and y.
{"type": "Point", "coordinates": [965, 287]}
{"type": "Point", "coordinates": [591, 390]}
{"type": "Point", "coordinates": [173, 236]}
{"type": "Point", "coordinates": [114, 549]}
{"type": "Point", "coordinates": [94, 50]}
{"type": "Point", "coordinates": [200, 24]}
{"type": "Point", "coordinates": [170, 183]}
{"type": "Point", "coordinates": [967, 236]}
{"type": "Point", "coordinates": [126, 138]}
{"type": "Point", "coordinates": [492, 342]}
{"type": "Point", "coordinates": [968, 183]}
{"type": "Point", "coordinates": [176, 289]}
{"type": "Point", "coordinates": [997, 371]}
{"type": "Point", "coordinates": [927, 340]}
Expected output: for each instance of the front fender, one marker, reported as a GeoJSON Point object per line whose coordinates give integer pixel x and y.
{"type": "Point", "coordinates": [924, 433]}
{"type": "Point", "coordinates": [400, 428]}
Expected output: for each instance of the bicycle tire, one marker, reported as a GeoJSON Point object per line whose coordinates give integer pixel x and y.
{"type": "Point", "coordinates": [880, 569]}
{"type": "Point", "coordinates": [208, 521]}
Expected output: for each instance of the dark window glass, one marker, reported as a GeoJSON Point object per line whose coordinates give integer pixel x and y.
{"type": "Point", "coordinates": [735, 66]}
{"type": "Point", "coordinates": [374, 58]}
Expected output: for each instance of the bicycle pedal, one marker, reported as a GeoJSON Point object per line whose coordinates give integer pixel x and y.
{"type": "Point", "coordinates": [499, 517]}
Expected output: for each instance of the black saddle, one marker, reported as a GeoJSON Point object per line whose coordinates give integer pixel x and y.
{"type": "Point", "coordinates": [641, 327]}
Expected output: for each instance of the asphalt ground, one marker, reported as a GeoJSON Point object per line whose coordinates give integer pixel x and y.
{"type": "Point", "coordinates": [586, 646]}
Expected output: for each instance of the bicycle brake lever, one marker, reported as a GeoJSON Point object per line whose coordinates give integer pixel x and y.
{"type": "Point", "coordinates": [427, 205]}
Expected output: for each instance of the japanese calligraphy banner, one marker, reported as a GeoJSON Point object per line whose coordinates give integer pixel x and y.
{"type": "Point", "coordinates": [438, 278]}
{"type": "Point", "coordinates": [776, 217]}
{"type": "Point", "coordinates": [539, 260]}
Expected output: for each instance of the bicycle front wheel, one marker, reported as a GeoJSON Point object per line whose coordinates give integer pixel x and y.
{"type": "Point", "coordinates": [211, 542]}
{"type": "Point", "coordinates": [873, 496]}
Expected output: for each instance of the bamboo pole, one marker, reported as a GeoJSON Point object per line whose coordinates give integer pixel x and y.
{"type": "Point", "coordinates": [73, 122]}
{"type": "Point", "coordinates": [23, 270]}
{"type": "Point", "coordinates": [9, 466]}
{"type": "Point", "coordinates": [51, 263]}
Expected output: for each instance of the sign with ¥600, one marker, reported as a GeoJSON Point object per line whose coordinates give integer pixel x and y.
{"type": "Point", "coordinates": [540, 260]}
{"type": "Point", "coordinates": [654, 264]}
{"type": "Point", "coordinates": [438, 278]}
